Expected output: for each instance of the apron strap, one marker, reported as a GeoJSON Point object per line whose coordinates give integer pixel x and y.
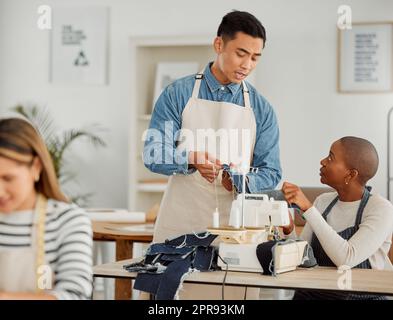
{"type": "Point", "coordinates": [363, 203]}
{"type": "Point", "coordinates": [359, 214]}
{"type": "Point", "coordinates": [246, 95]}
{"type": "Point", "coordinates": [197, 85]}
{"type": "Point", "coordinates": [329, 208]}
{"type": "Point", "coordinates": [39, 230]}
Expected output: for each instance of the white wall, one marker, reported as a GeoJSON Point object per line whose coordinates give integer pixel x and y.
{"type": "Point", "coordinates": [299, 78]}
{"type": "Point", "coordinates": [2, 61]}
{"type": "Point", "coordinates": [297, 74]}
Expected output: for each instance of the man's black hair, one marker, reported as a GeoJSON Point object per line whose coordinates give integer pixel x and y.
{"type": "Point", "coordinates": [241, 21]}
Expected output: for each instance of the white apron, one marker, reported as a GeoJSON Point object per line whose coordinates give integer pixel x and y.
{"type": "Point", "coordinates": [190, 200]}
{"type": "Point", "coordinates": [19, 267]}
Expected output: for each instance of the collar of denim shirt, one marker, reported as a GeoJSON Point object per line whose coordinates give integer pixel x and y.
{"type": "Point", "coordinates": [213, 83]}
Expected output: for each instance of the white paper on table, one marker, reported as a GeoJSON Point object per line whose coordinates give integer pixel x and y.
{"type": "Point", "coordinates": [116, 215]}
{"type": "Point", "coordinates": [136, 228]}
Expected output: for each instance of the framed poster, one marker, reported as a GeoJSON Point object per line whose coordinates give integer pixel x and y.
{"type": "Point", "coordinates": [167, 72]}
{"type": "Point", "coordinates": [365, 58]}
{"type": "Point", "coordinates": [79, 45]}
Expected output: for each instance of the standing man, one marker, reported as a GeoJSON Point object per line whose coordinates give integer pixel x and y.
{"type": "Point", "coordinates": [217, 100]}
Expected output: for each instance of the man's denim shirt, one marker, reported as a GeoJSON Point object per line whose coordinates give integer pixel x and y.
{"type": "Point", "coordinates": [160, 154]}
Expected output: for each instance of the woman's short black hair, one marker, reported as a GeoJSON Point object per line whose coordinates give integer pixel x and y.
{"type": "Point", "coordinates": [241, 21]}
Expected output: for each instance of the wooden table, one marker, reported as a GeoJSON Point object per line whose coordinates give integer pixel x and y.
{"type": "Point", "coordinates": [125, 234]}
{"type": "Point", "coordinates": [319, 278]}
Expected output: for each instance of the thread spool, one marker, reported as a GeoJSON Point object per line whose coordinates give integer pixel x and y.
{"type": "Point", "coordinates": [216, 219]}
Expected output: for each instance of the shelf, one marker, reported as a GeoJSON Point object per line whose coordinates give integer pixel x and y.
{"type": "Point", "coordinates": [151, 186]}
{"type": "Point", "coordinates": [145, 54]}
{"type": "Point", "coordinates": [203, 40]}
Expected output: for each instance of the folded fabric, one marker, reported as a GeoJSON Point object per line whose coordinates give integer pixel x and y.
{"type": "Point", "coordinates": [166, 264]}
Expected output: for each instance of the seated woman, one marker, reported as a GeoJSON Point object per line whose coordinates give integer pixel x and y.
{"type": "Point", "coordinates": [45, 241]}
{"type": "Point", "coordinates": [349, 227]}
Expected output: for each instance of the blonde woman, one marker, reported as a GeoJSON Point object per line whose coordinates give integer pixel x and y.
{"type": "Point", "coordinates": [45, 241]}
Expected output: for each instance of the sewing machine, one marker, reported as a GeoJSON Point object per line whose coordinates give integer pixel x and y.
{"type": "Point", "coordinates": [254, 219]}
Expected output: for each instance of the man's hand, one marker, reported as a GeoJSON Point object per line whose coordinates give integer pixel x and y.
{"type": "Point", "coordinates": [293, 194]}
{"type": "Point", "coordinates": [226, 181]}
{"type": "Point", "coordinates": [207, 165]}
{"type": "Point", "coordinates": [289, 228]}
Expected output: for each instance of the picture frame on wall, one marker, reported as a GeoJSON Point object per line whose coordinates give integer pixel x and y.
{"type": "Point", "coordinates": [365, 58]}
{"type": "Point", "coordinates": [79, 44]}
{"type": "Point", "coordinates": [167, 72]}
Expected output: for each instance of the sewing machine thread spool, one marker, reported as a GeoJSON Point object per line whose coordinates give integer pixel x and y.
{"type": "Point", "coordinates": [216, 219]}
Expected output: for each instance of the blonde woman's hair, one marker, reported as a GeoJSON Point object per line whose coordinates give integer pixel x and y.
{"type": "Point", "coordinates": [21, 142]}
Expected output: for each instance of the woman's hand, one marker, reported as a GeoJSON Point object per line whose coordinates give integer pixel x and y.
{"type": "Point", "coordinates": [294, 195]}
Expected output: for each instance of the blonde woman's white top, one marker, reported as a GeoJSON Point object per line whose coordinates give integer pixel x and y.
{"type": "Point", "coordinates": [68, 246]}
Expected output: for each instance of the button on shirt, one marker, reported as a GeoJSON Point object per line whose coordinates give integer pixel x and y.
{"type": "Point", "coordinates": [161, 156]}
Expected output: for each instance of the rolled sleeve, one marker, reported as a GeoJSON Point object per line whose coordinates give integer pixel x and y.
{"type": "Point", "coordinates": [160, 154]}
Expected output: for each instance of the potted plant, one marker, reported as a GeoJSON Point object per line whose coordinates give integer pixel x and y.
{"type": "Point", "coordinates": [59, 143]}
